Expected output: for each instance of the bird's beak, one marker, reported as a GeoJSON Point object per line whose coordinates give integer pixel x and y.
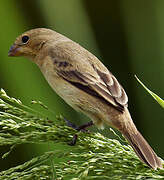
{"type": "Point", "coordinates": [15, 50]}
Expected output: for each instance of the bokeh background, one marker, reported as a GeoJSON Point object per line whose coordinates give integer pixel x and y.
{"type": "Point", "coordinates": [127, 36]}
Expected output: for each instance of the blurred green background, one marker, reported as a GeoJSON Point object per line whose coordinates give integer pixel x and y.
{"type": "Point", "coordinates": [128, 36]}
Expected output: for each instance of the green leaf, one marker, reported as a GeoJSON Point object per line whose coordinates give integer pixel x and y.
{"type": "Point", "coordinates": [93, 157]}
{"type": "Point", "coordinates": [156, 97]}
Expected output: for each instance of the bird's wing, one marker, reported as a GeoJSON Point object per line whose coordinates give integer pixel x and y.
{"type": "Point", "coordinates": [112, 85]}
{"type": "Point", "coordinates": [93, 78]}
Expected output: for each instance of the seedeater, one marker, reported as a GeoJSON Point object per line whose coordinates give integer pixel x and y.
{"type": "Point", "coordinates": [79, 77]}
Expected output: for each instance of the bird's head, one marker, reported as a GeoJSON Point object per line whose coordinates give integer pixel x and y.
{"type": "Point", "coordinates": [30, 43]}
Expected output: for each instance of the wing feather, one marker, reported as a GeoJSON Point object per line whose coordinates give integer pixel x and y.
{"type": "Point", "coordinates": [115, 97]}
{"type": "Point", "coordinates": [85, 71]}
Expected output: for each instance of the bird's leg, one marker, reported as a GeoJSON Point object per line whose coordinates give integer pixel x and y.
{"type": "Point", "coordinates": [84, 126]}
{"type": "Point", "coordinates": [80, 128]}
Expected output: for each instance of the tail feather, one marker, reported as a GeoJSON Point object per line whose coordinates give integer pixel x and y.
{"type": "Point", "coordinates": [143, 149]}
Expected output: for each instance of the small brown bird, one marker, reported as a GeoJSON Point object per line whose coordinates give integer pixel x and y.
{"type": "Point", "coordinates": [84, 83]}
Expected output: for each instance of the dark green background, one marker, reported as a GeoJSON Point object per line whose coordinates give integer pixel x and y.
{"type": "Point", "coordinates": [128, 36]}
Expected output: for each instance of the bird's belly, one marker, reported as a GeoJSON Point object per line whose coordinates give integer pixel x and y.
{"type": "Point", "coordinates": [79, 100]}
{"type": "Point", "coordinates": [64, 89]}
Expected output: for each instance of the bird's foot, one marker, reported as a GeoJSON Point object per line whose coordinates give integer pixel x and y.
{"type": "Point", "coordinates": [78, 128]}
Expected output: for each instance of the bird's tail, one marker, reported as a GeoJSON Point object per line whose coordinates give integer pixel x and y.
{"type": "Point", "coordinates": [142, 148]}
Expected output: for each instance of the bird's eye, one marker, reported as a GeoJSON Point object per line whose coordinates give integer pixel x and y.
{"type": "Point", "coordinates": [25, 39]}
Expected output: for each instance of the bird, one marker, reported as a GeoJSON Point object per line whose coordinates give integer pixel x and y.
{"type": "Point", "coordinates": [84, 83]}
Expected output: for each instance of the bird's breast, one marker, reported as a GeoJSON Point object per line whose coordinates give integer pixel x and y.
{"type": "Point", "coordinates": [64, 89]}
{"type": "Point", "coordinates": [80, 100]}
